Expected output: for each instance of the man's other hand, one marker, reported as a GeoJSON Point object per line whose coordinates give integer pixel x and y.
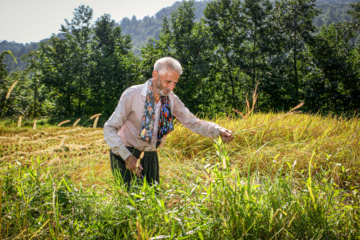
{"type": "Point", "coordinates": [226, 135]}
{"type": "Point", "coordinates": [130, 164]}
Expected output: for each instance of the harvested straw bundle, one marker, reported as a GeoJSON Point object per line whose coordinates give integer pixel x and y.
{"type": "Point", "coordinates": [10, 90]}
{"type": "Point", "coordinates": [63, 122]}
{"type": "Point", "coordinates": [96, 115]}
{"type": "Point", "coordinates": [19, 121]}
{"type": "Point", "coordinates": [76, 122]}
{"type": "Point", "coordinates": [96, 121]}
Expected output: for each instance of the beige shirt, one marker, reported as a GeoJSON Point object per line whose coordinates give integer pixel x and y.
{"type": "Point", "coordinates": [123, 127]}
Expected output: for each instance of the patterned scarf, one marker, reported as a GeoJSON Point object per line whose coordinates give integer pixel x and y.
{"type": "Point", "coordinates": [148, 120]}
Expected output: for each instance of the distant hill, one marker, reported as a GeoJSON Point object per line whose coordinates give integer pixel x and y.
{"type": "Point", "coordinates": [141, 30]}
{"type": "Point", "coordinates": [149, 27]}
{"type": "Point", "coordinates": [18, 50]}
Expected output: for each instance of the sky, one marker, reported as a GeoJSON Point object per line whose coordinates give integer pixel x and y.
{"type": "Point", "coordinates": [26, 21]}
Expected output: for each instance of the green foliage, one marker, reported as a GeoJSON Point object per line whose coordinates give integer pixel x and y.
{"type": "Point", "coordinates": [236, 45]}
{"type": "Point", "coordinates": [337, 69]}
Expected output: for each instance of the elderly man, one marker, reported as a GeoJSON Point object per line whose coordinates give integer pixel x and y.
{"type": "Point", "coordinates": [143, 118]}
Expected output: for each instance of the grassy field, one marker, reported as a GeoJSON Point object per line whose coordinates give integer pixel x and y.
{"type": "Point", "coordinates": [285, 176]}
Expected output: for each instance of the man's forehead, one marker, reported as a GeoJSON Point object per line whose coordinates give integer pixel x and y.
{"type": "Point", "coordinates": [170, 74]}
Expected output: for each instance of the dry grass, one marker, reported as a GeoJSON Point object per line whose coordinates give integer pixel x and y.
{"type": "Point", "coordinates": [275, 141]}
{"type": "Point", "coordinates": [69, 150]}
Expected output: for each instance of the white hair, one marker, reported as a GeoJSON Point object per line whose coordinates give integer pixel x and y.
{"type": "Point", "coordinates": [167, 63]}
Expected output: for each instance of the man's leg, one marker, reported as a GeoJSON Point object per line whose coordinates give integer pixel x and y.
{"type": "Point", "coordinates": [149, 162]}
{"type": "Point", "coordinates": [150, 165]}
{"type": "Point", "coordinates": [119, 169]}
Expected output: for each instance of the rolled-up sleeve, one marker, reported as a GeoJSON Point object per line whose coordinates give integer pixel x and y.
{"type": "Point", "coordinates": [114, 124]}
{"type": "Point", "coordinates": [204, 128]}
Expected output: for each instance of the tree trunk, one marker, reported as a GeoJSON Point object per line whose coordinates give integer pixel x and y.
{"type": "Point", "coordinates": [296, 80]}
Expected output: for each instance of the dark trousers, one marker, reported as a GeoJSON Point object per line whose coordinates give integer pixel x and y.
{"type": "Point", "coordinates": [149, 162]}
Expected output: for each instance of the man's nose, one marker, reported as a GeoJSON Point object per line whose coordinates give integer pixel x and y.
{"type": "Point", "coordinates": [172, 86]}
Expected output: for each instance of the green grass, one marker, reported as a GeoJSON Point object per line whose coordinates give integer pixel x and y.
{"type": "Point", "coordinates": [283, 177]}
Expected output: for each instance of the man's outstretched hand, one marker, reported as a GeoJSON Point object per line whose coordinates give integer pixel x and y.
{"type": "Point", "coordinates": [226, 135]}
{"type": "Point", "coordinates": [130, 164]}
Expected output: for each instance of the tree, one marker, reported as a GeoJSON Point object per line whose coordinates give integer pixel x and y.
{"type": "Point", "coordinates": [188, 42]}
{"type": "Point", "coordinates": [226, 26]}
{"type": "Point", "coordinates": [78, 33]}
{"type": "Point", "coordinates": [336, 59]}
{"type": "Point", "coordinates": [257, 23]}
{"type": "Point", "coordinates": [114, 67]}
{"type": "Point", "coordinates": [294, 18]}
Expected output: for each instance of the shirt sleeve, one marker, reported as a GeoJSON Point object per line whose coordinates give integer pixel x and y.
{"type": "Point", "coordinates": [114, 124]}
{"type": "Point", "coordinates": [204, 128]}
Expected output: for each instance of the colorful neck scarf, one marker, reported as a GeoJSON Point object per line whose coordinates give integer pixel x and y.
{"type": "Point", "coordinates": [148, 120]}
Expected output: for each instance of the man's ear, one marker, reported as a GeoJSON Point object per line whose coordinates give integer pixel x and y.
{"type": "Point", "coordinates": [155, 74]}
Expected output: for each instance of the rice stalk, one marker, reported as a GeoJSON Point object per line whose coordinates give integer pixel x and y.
{"type": "Point", "coordinates": [96, 121]}
{"type": "Point", "coordinates": [19, 121]}
{"type": "Point", "coordinates": [54, 160]}
{"type": "Point", "coordinates": [76, 122]}
{"type": "Point", "coordinates": [34, 126]}
{"type": "Point", "coordinates": [62, 142]}
{"type": "Point", "coordinates": [297, 107]}
{"type": "Point", "coordinates": [63, 122]}
{"type": "Point", "coordinates": [292, 111]}
{"type": "Point", "coordinates": [96, 115]}
{"type": "Point", "coordinates": [238, 112]}
{"type": "Point", "coordinates": [249, 109]}
{"type": "Point", "coordinates": [10, 90]}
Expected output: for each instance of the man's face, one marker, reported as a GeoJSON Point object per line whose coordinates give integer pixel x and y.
{"type": "Point", "coordinates": [165, 83]}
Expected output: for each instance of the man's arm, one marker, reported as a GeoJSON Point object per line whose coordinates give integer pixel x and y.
{"type": "Point", "coordinates": [111, 129]}
{"type": "Point", "coordinates": [114, 124]}
{"type": "Point", "coordinates": [204, 128]}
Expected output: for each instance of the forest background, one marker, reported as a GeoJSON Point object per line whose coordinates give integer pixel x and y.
{"type": "Point", "coordinates": [296, 50]}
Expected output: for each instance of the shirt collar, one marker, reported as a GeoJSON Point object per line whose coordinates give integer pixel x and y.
{"type": "Point", "coordinates": [145, 87]}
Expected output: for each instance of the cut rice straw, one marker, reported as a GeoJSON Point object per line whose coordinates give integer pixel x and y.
{"type": "Point", "coordinates": [62, 142]}
{"type": "Point", "coordinates": [96, 115]}
{"type": "Point", "coordinates": [249, 109]}
{"type": "Point", "coordinates": [10, 90]}
{"type": "Point", "coordinates": [96, 121]}
{"type": "Point", "coordinates": [19, 121]}
{"type": "Point", "coordinates": [76, 122]}
{"type": "Point", "coordinates": [63, 122]}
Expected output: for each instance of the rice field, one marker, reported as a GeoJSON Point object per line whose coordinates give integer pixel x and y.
{"type": "Point", "coordinates": [285, 176]}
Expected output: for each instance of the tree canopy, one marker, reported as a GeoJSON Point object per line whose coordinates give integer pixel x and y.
{"type": "Point", "coordinates": [225, 55]}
